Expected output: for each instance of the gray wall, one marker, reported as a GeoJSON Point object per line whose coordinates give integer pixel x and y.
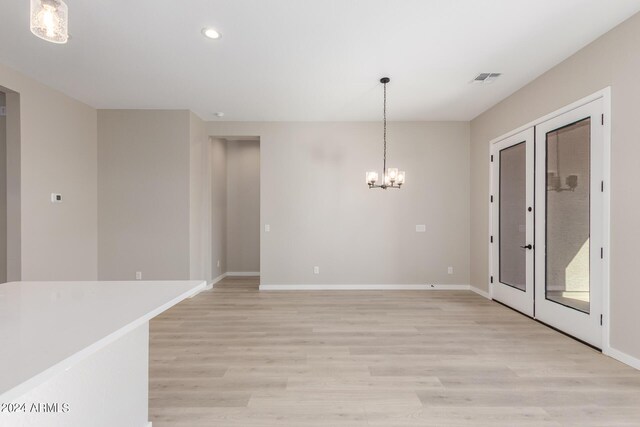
{"type": "Point", "coordinates": [3, 193]}
{"type": "Point", "coordinates": [200, 244]}
{"type": "Point", "coordinates": [218, 161]}
{"type": "Point", "coordinates": [243, 206]}
{"type": "Point", "coordinates": [53, 141]}
{"type": "Point", "coordinates": [322, 214]}
{"type": "Point", "coordinates": [144, 189]}
{"type": "Point", "coordinates": [612, 60]}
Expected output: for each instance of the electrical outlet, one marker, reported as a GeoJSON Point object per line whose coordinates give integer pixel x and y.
{"type": "Point", "coordinates": [138, 275]}
{"type": "Point", "coordinates": [56, 198]}
{"type": "Point", "coordinates": [267, 228]}
{"type": "Point", "coordinates": [316, 270]}
{"type": "Point", "coordinates": [450, 270]}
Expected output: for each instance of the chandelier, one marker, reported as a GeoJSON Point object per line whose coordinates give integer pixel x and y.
{"type": "Point", "coordinates": [49, 20]}
{"type": "Point", "coordinates": [392, 178]}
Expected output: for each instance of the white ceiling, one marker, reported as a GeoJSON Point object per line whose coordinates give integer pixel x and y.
{"type": "Point", "coordinates": [305, 59]}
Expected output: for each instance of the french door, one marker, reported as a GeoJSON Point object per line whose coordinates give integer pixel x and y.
{"type": "Point", "coordinates": [569, 227]}
{"type": "Point", "coordinates": [548, 222]}
{"type": "Point", "coordinates": [512, 240]}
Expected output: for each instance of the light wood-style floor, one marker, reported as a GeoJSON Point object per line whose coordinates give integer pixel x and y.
{"type": "Point", "coordinates": [234, 356]}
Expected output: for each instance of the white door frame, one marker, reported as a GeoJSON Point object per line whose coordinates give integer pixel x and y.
{"type": "Point", "coordinates": [502, 292]}
{"type": "Point", "coordinates": [605, 95]}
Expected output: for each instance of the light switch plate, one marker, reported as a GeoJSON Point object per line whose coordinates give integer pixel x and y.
{"type": "Point", "coordinates": [421, 228]}
{"type": "Point", "coordinates": [267, 228]}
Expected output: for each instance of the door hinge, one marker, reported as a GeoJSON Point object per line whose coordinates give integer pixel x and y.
{"type": "Point", "coordinates": [3, 111]}
{"type": "Point", "coordinates": [491, 239]}
{"type": "Point", "coordinates": [492, 158]}
{"type": "Point", "coordinates": [491, 279]}
{"type": "Point", "coordinates": [602, 120]}
{"type": "Point", "coordinates": [601, 320]}
{"type": "Point", "coordinates": [602, 186]}
{"type": "Point", "coordinates": [601, 253]}
{"type": "Point", "coordinates": [491, 198]}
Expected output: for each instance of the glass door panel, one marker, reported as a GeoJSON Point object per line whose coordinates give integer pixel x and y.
{"type": "Point", "coordinates": [513, 216]}
{"type": "Point", "coordinates": [568, 172]}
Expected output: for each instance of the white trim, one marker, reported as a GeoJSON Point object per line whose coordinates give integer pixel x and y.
{"type": "Point", "coordinates": [242, 273]}
{"type": "Point", "coordinates": [622, 357]}
{"type": "Point", "coordinates": [209, 285]}
{"type": "Point", "coordinates": [603, 93]}
{"type": "Point", "coordinates": [149, 424]}
{"type": "Point", "coordinates": [490, 233]}
{"type": "Point", "coordinates": [606, 220]}
{"type": "Point", "coordinates": [205, 288]}
{"type": "Point", "coordinates": [480, 292]}
{"type": "Point", "coordinates": [364, 287]}
{"type": "Point", "coordinates": [217, 279]}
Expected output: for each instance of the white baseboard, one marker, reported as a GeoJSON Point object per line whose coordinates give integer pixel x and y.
{"type": "Point", "coordinates": [364, 287]}
{"type": "Point", "coordinates": [242, 273]}
{"type": "Point", "coordinates": [210, 284]}
{"type": "Point", "coordinates": [217, 279]}
{"type": "Point", "coordinates": [622, 357]}
{"type": "Point", "coordinates": [149, 424]}
{"type": "Point", "coordinates": [206, 287]}
{"type": "Point", "coordinates": [480, 292]}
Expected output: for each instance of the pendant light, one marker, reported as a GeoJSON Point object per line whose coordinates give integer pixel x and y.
{"type": "Point", "coordinates": [50, 20]}
{"type": "Point", "coordinates": [392, 178]}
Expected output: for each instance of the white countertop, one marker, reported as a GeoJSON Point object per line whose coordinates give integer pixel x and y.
{"type": "Point", "coordinates": [47, 327]}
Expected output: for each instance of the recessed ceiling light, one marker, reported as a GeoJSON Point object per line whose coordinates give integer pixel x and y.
{"type": "Point", "coordinates": [210, 33]}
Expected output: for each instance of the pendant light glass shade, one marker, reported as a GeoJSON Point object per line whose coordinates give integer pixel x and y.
{"type": "Point", "coordinates": [50, 20]}
{"type": "Point", "coordinates": [372, 177]}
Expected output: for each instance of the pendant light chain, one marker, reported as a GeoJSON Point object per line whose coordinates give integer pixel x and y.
{"type": "Point", "coordinates": [384, 163]}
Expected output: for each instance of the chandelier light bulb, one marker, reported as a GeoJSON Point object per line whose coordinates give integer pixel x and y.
{"type": "Point", "coordinates": [393, 173]}
{"type": "Point", "coordinates": [50, 20]}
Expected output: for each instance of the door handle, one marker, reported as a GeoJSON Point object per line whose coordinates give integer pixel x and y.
{"type": "Point", "coordinates": [527, 247]}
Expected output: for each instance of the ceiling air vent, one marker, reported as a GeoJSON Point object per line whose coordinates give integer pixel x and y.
{"type": "Point", "coordinates": [486, 77]}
